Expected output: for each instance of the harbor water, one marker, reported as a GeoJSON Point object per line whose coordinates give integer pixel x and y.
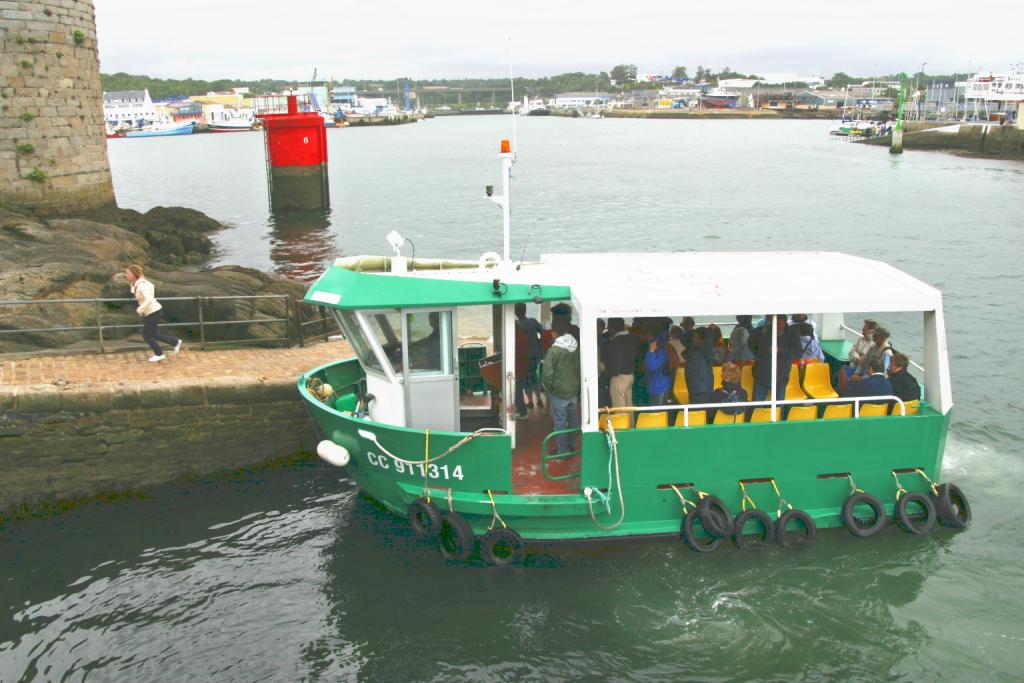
{"type": "Point", "coordinates": [289, 573]}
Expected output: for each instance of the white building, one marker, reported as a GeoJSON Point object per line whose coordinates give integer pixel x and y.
{"type": "Point", "coordinates": [129, 108]}
{"type": "Point", "coordinates": [577, 100]}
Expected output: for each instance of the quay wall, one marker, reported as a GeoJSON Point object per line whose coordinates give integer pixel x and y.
{"type": "Point", "coordinates": [61, 444]}
{"type": "Point", "coordinates": [53, 147]}
{"type": "Point", "coordinates": [986, 141]}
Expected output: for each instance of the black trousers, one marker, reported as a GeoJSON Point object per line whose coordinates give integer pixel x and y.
{"type": "Point", "coordinates": [151, 334]}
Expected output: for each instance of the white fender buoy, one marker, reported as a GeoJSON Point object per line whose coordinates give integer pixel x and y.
{"type": "Point", "coordinates": [332, 453]}
{"type": "Point", "coordinates": [489, 258]}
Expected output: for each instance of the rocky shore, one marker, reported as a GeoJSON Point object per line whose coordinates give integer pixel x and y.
{"type": "Point", "coordinates": [85, 256]}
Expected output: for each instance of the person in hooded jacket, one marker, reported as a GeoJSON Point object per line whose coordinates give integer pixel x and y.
{"type": "Point", "coordinates": [699, 357]}
{"type": "Point", "coordinates": [656, 371]}
{"type": "Point", "coordinates": [561, 378]}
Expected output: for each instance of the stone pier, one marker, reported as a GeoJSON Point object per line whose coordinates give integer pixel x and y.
{"type": "Point", "coordinates": [73, 427]}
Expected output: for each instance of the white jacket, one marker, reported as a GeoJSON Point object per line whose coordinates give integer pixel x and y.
{"type": "Point", "coordinates": [145, 294]}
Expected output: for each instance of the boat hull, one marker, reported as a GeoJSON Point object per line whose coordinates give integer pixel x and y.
{"type": "Point", "coordinates": [181, 130]}
{"type": "Point", "coordinates": [807, 460]}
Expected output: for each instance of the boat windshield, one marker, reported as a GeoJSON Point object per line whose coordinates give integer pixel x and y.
{"type": "Point", "coordinates": [428, 342]}
{"type": "Point", "coordinates": [383, 326]}
{"type": "Point", "coordinates": [354, 333]}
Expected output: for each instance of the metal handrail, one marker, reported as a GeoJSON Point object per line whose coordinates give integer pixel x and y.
{"type": "Point", "coordinates": [545, 456]}
{"type": "Point", "coordinates": [292, 320]}
{"type": "Point", "coordinates": [858, 334]}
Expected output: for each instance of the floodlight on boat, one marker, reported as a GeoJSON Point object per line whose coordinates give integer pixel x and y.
{"type": "Point", "coordinates": [396, 241]}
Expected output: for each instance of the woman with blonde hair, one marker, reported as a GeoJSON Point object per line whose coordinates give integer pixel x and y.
{"type": "Point", "coordinates": [149, 309]}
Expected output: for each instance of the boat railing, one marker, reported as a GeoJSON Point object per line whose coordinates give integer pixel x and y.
{"type": "Point", "coordinates": [856, 333]}
{"type": "Point", "coordinates": [297, 327]}
{"type": "Point", "coordinates": [548, 457]}
{"type": "Point", "coordinates": [687, 408]}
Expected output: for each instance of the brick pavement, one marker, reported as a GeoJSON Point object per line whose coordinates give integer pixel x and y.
{"type": "Point", "coordinates": [81, 370]}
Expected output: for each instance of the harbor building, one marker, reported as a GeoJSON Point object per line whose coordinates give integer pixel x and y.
{"type": "Point", "coordinates": [576, 100]}
{"type": "Point", "coordinates": [343, 97]}
{"type": "Point", "coordinates": [128, 108]}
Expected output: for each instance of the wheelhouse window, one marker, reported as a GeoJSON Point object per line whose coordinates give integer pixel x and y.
{"type": "Point", "coordinates": [429, 335]}
{"type": "Point", "coordinates": [387, 328]}
{"type": "Point", "coordinates": [350, 324]}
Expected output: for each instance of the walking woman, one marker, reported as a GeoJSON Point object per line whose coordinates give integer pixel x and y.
{"type": "Point", "coordinates": [149, 310]}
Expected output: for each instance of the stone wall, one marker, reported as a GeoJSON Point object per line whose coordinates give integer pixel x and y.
{"type": "Point", "coordinates": [61, 444]}
{"type": "Point", "coordinates": [53, 148]}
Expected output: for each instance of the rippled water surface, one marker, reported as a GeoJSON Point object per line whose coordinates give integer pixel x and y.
{"type": "Point", "coordinates": [290, 574]}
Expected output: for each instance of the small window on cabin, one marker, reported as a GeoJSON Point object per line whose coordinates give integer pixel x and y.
{"type": "Point", "coordinates": [429, 335]}
{"type": "Point", "coordinates": [354, 334]}
{"type": "Point", "coordinates": [387, 328]}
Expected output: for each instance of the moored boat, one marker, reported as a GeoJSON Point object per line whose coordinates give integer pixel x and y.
{"type": "Point", "coordinates": [805, 458]}
{"type": "Point", "coordinates": [162, 130]}
{"type": "Point", "coordinates": [231, 126]}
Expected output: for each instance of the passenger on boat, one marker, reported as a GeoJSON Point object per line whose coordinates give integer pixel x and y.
{"type": "Point", "coordinates": [718, 345]}
{"type": "Point", "coordinates": [810, 347]}
{"type": "Point", "coordinates": [874, 384]}
{"type": "Point", "coordinates": [564, 311]}
{"type": "Point", "coordinates": [656, 371]}
{"type": "Point", "coordinates": [859, 351]}
{"type": "Point", "coordinates": [904, 385]}
{"type": "Point", "coordinates": [531, 331]}
{"type": "Point", "coordinates": [675, 347]}
{"type": "Point", "coordinates": [604, 390]}
{"type": "Point", "coordinates": [788, 341]}
{"type": "Point", "coordinates": [688, 324]}
{"type": "Point", "coordinates": [730, 391]}
{"type": "Point", "coordinates": [699, 357]}
{"type": "Point", "coordinates": [799, 318]}
{"type": "Point", "coordinates": [620, 361]}
{"type": "Point", "coordinates": [561, 379]}
{"type": "Point", "coordinates": [738, 349]}
{"type": "Point", "coordinates": [881, 348]}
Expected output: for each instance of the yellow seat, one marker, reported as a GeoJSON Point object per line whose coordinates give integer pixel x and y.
{"type": "Point", "coordinates": [747, 380]}
{"type": "Point", "coordinates": [652, 420]}
{"type": "Point", "coordinates": [698, 418]}
{"type": "Point", "coordinates": [802, 413]}
{"type": "Point", "coordinates": [679, 388]}
{"type": "Point", "coordinates": [717, 371]}
{"type": "Point", "coordinates": [723, 418]}
{"type": "Point", "coordinates": [765, 414]}
{"type": "Point", "coordinates": [620, 421]}
{"type": "Point", "coordinates": [874, 409]}
{"type": "Point", "coordinates": [911, 408]}
{"type": "Point", "coordinates": [817, 382]}
{"type": "Point", "coordinates": [833, 412]}
{"type": "Point", "coordinates": [793, 390]}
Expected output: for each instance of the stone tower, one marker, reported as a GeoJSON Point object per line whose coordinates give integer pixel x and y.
{"type": "Point", "coordinates": [53, 148]}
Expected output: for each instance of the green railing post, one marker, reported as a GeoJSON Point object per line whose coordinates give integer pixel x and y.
{"type": "Point", "coordinates": [545, 456]}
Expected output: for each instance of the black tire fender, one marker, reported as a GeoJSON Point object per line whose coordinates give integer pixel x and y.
{"type": "Point", "coordinates": [854, 525]}
{"type": "Point", "coordinates": [759, 540]}
{"type": "Point", "coordinates": [501, 547]}
{"type": "Point", "coordinates": [689, 534]}
{"type": "Point", "coordinates": [715, 517]}
{"type": "Point", "coordinates": [455, 537]}
{"type": "Point", "coordinates": [424, 518]}
{"type": "Point", "coordinates": [788, 538]}
{"type": "Point", "coordinates": [911, 523]}
{"type": "Point", "coordinates": [951, 506]}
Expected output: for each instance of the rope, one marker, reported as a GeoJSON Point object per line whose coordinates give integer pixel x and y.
{"type": "Point", "coordinates": [456, 446]}
{"type": "Point", "coordinates": [935, 489]}
{"type": "Point", "coordinates": [495, 517]}
{"type": "Point", "coordinates": [853, 486]}
{"type": "Point", "coordinates": [900, 491]}
{"type": "Point", "coordinates": [450, 507]}
{"type": "Point", "coordinates": [682, 499]}
{"type": "Point", "coordinates": [589, 491]}
{"type": "Point", "coordinates": [782, 501]}
{"type": "Point", "coordinates": [745, 497]}
{"type": "Point", "coordinates": [426, 463]}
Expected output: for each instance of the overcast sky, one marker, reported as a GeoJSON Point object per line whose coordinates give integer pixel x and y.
{"type": "Point", "coordinates": [457, 38]}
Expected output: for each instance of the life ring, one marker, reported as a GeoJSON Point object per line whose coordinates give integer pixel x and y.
{"type": "Point", "coordinates": [910, 522]}
{"type": "Point", "coordinates": [786, 538]}
{"type": "Point", "coordinates": [690, 537]}
{"type": "Point", "coordinates": [501, 547]}
{"type": "Point", "coordinates": [455, 537]}
{"type": "Point", "coordinates": [489, 258]}
{"type": "Point", "coordinates": [859, 528]}
{"type": "Point", "coordinates": [715, 516]}
{"type": "Point", "coordinates": [424, 518]}
{"type": "Point", "coordinates": [759, 540]}
{"type": "Point", "coordinates": [951, 506]}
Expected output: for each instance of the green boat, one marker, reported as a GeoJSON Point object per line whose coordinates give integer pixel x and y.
{"type": "Point", "coordinates": [418, 430]}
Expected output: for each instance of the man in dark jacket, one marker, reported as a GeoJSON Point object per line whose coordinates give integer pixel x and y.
{"type": "Point", "coordinates": [875, 384]}
{"type": "Point", "coordinates": [904, 385]}
{"type": "Point", "coordinates": [699, 357]}
{"type": "Point", "coordinates": [788, 351]}
{"type": "Point", "coordinates": [620, 361]}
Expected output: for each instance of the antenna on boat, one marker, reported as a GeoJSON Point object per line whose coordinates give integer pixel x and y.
{"type": "Point", "coordinates": [512, 92]}
{"type": "Point", "coordinates": [507, 156]}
